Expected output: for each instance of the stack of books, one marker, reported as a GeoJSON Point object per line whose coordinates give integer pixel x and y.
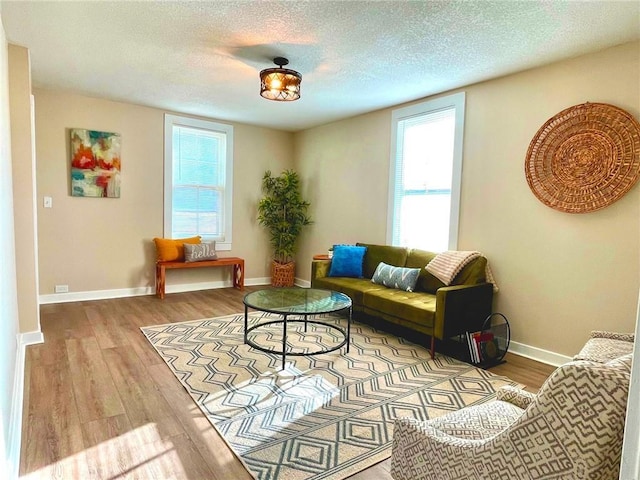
{"type": "Point", "coordinates": [483, 347]}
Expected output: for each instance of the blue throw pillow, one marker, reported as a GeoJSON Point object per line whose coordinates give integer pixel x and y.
{"type": "Point", "coordinates": [396, 277]}
{"type": "Point", "coordinates": [347, 261]}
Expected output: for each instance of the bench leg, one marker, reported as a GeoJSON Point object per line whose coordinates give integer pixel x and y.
{"type": "Point", "coordinates": [238, 275]}
{"type": "Point", "coordinates": [160, 281]}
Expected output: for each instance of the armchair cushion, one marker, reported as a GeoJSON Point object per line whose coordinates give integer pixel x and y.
{"type": "Point", "coordinates": [478, 422]}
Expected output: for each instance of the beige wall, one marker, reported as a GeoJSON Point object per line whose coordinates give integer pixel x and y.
{"type": "Point", "coordinates": [24, 175]}
{"type": "Point", "coordinates": [560, 275]}
{"type": "Point", "coordinates": [344, 168]}
{"type": "Point", "coordinates": [94, 244]}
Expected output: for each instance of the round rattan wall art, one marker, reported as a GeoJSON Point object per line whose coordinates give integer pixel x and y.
{"type": "Point", "coordinates": [584, 158]}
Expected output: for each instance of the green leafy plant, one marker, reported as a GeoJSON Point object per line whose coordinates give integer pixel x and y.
{"type": "Point", "coordinates": [283, 212]}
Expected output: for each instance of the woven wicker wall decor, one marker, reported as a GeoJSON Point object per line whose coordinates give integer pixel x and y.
{"type": "Point", "coordinates": [584, 158]}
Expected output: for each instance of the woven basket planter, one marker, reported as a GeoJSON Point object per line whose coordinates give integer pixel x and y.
{"type": "Point", "coordinates": [584, 158]}
{"type": "Point", "coordinates": [283, 274]}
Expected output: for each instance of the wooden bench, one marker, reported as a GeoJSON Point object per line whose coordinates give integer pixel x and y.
{"type": "Point", "coordinates": [236, 262]}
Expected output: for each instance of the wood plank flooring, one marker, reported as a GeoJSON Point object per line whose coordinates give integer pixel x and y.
{"type": "Point", "coordinates": [99, 403]}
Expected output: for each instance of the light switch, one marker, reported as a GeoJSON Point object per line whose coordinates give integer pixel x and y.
{"type": "Point", "coordinates": [48, 202]}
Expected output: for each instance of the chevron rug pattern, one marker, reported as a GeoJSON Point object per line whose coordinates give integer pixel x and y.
{"type": "Point", "coordinates": [322, 417]}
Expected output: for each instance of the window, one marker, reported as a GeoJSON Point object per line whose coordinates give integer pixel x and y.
{"type": "Point", "coordinates": [426, 168]}
{"type": "Point", "coordinates": [198, 166]}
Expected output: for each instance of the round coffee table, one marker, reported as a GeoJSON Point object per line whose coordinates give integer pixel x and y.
{"type": "Point", "coordinates": [301, 302]}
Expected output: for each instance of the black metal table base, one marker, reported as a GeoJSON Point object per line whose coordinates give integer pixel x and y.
{"type": "Point", "coordinates": [285, 321]}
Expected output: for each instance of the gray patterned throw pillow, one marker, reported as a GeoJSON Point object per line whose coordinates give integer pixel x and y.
{"type": "Point", "coordinates": [199, 252]}
{"type": "Point", "coordinates": [396, 277]}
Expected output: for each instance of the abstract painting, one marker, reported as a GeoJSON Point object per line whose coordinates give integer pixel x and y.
{"type": "Point", "coordinates": [95, 163]}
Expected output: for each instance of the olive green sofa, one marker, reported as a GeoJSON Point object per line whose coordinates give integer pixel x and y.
{"type": "Point", "coordinates": [432, 308]}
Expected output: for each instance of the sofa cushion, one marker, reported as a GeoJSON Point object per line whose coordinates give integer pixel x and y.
{"type": "Point", "coordinates": [347, 261]}
{"type": "Point", "coordinates": [352, 287]}
{"type": "Point", "coordinates": [382, 253]}
{"type": "Point", "coordinates": [396, 277]}
{"type": "Point", "coordinates": [419, 259]}
{"type": "Point", "coordinates": [414, 307]}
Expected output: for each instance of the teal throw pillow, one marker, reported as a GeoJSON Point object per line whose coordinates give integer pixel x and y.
{"type": "Point", "coordinates": [396, 277]}
{"type": "Point", "coordinates": [347, 261]}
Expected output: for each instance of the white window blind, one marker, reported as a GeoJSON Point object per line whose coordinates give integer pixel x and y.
{"type": "Point", "coordinates": [198, 166]}
{"type": "Point", "coordinates": [425, 181]}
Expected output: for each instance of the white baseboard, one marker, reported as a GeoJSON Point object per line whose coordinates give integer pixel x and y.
{"type": "Point", "coordinates": [538, 354]}
{"type": "Point", "coordinates": [31, 338]}
{"type": "Point", "coordinates": [15, 420]}
{"type": "Point", "coordinates": [302, 283]}
{"type": "Point", "coordinates": [95, 295]}
{"type": "Point", "coordinates": [139, 291]}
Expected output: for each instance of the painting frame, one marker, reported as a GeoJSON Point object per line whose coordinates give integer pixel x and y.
{"type": "Point", "coordinates": [95, 163]}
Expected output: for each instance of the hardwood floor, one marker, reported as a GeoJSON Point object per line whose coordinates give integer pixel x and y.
{"type": "Point", "coordinates": [100, 403]}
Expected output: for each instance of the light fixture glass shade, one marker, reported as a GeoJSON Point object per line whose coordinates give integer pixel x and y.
{"type": "Point", "coordinates": [280, 84]}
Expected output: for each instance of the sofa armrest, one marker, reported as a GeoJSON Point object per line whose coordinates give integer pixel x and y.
{"type": "Point", "coordinates": [603, 346]}
{"type": "Point", "coordinates": [515, 396]}
{"type": "Point", "coordinates": [320, 269]}
{"type": "Point", "coordinates": [625, 337]}
{"type": "Point", "coordinates": [462, 308]}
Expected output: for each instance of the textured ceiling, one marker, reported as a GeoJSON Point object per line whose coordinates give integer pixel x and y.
{"type": "Point", "coordinates": [203, 58]}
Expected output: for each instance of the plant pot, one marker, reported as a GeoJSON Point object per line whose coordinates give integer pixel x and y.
{"type": "Point", "coordinates": [283, 274]}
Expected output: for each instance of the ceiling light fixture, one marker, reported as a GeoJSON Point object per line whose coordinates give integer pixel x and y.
{"type": "Point", "coordinates": [280, 84]}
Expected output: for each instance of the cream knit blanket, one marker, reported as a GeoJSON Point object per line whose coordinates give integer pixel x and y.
{"type": "Point", "coordinates": [446, 265]}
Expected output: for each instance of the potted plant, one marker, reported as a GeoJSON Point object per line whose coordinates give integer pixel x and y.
{"type": "Point", "coordinates": [283, 212]}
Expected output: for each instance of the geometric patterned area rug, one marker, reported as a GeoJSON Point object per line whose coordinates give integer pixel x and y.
{"type": "Point", "coordinates": [327, 416]}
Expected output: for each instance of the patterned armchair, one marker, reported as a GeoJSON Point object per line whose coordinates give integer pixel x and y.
{"type": "Point", "coordinates": [572, 429]}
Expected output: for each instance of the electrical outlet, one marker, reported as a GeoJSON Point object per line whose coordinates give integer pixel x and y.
{"type": "Point", "coordinates": [62, 288]}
